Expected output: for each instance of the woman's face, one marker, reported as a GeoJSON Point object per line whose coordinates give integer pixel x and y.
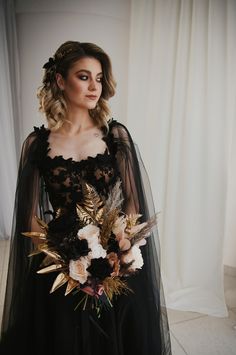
{"type": "Point", "coordinates": [84, 79]}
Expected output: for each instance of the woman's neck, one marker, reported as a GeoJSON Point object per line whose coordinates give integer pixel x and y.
{"type": "Point", "coordinates": [80, 122]}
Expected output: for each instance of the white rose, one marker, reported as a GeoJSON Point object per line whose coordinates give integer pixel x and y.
{"type": "Point", "coordinates": [90, 233]}
{"type": "Point", "coordinates": [138, 259]}
{"type": "Point", "coordinates": [97, 251]}
{"type": "Point", "coordinates": [135, 255]}
{"type": "Point", "coordinates": [77, 269]}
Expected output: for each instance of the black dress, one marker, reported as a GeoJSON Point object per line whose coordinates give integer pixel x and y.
{"type": "Point", "coordinates": [36, 321]}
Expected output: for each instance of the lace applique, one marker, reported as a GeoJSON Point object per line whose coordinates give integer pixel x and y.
{"type": "Point", "coordinates": [63, 176]}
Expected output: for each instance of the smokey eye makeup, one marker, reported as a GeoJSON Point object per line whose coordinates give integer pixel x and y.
{"type": "Point", "coordinates": [85, 77]}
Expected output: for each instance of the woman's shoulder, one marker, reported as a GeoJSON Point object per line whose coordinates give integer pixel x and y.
{"type": "Point", "coordinates": [37, 135]}
{"type": "Point", "coordinates": [118, 129]}
{"type": "Point", "coordinates": [35, 145]}
{"type": "Point", "coordinates": [41, 132]}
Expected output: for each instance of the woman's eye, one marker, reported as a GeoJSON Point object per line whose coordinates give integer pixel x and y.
{"type": "Point", "coordinates": [83, 76]}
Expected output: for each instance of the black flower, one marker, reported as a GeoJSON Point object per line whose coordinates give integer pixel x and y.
{"type": "Point", "coordinates": [73, 248]}
{"type": "Point", "coordinates": [49, 64]}
{"type": "Point", "coordinates": [100, 268]}
{"type": "Point", "coordinates": [112, 244]}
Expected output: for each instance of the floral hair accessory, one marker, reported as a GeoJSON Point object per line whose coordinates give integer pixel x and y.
{"type": "Point", "coordinates": [62, 54]}
{"type": "Point", "coordinates": [50, 63]}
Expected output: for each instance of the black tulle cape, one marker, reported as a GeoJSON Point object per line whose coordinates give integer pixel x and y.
{"type": "Point", "coordinates": [38, 323]}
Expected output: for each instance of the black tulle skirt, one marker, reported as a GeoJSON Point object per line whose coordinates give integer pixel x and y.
{"type": "Point", "coordinates": [51, 322]}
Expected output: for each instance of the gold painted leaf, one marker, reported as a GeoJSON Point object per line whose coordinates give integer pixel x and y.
{"type": "Point", "coordinates": [47, 261]}
{"type": "Point", "coordinates": [35, 252]}
{"type": "Point", "coordinates": [92, 198]}
{"type": "Point", "coordinates": [42, 224]}
{"type": "Point", "coordinates": [51, 253]}
{"type": "Point", "coordinates": [131, 221]}
{"type": "Point", "coordinates": [71, 285]}
{"type": "Point", "coordinates": [90, 211]}
{"type": "Point", "coordinates": [83, 215]}
{"type": "Point", "coordinates": [60, 280]}
{"type": "Point", "coordinates": [92, 201]}
{"type": "Point", "coordinates": [99, 215]}
{"type": "Point", "coordinates": [35, 234]}
{"type": "Point", "coordinates": [51, 268]}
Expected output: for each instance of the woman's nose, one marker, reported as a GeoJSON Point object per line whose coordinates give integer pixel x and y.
{"type": "Point", "coordinates": [92, 85]}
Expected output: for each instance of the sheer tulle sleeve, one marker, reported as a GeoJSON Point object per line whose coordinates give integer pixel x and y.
{"type": "Point", "coordinates": [138, 199]}
{"type": "Point", "coordinates": [27, 204]}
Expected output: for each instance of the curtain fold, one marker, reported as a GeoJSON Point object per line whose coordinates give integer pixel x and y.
{"type": "Point", "coordinates": [181, 107]}
{"type": "Point", "coordinates": [10, 114]}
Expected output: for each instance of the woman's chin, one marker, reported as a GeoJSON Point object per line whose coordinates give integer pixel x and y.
{"type": "Point", "coordinates": [90, 106]}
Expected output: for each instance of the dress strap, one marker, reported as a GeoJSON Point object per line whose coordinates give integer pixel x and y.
{"type": "Point", "coordinates": [42, 145]}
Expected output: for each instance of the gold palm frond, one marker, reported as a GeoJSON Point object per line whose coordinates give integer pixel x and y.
{"type": "Point", "coordinates": [83, 215]}
{"type": "Point", "coordinates": [91, 209]}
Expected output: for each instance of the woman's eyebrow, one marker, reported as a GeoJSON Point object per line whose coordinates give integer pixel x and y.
{"type": "Point", "coordinates": [87, 71]}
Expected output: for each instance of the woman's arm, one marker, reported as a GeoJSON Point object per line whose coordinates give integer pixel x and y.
{"type": "Point", "coordinates": [28, 188]}
{"type": "Point", "coordinates": [127, 168]}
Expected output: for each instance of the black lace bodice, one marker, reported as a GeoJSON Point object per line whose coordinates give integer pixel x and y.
{"type": "Point", "coordinates": [63, 177]}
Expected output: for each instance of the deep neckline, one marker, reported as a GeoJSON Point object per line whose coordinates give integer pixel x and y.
{"type": "Point", "coordinates": [43, 132]}
{"type": "Point", "coordinates": [60, 157]}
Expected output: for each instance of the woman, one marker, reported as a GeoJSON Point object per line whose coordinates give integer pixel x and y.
{"type": "Point", "coordinates": [81, 149]}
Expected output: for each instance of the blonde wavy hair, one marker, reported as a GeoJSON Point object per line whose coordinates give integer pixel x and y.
{"type": "Point", "coordinates": [51, 99]}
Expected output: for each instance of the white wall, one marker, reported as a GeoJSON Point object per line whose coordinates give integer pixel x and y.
{"type": "Point", "coordinates": [43, 25]}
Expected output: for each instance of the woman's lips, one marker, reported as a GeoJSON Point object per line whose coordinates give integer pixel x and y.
{"type": "Point", "coordinates": [91, 97]}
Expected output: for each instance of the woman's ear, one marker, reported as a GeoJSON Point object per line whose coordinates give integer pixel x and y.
{"type": "Point", "coordinates": [60, 81]}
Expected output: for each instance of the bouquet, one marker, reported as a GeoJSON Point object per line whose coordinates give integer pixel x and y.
{"type": "Point", "coordinates": [94, 250]}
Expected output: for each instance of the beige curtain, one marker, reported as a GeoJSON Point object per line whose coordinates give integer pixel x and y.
{"type": "Point", "coordinates": [9, 120]}
{"type": "Point", "coordinates": [181, 110]}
